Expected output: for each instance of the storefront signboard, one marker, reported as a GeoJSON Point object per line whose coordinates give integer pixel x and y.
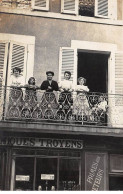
{"type": "Point", "coordinates": [22, 178]}
{"type": "Point", "coordinates": [41, 142]}
{"type": "Point", "coordinates": [47, 176]}
{"type": "Point", "coordinates": [95, 171]}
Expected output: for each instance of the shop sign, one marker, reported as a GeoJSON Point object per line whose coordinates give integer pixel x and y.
{"type": "Point", "coordinates": [41, 142]}
{"type": "Point", "coordinates": [47, 176]}
{"type": "Point", "coordinates": [95, 171]}
{"type": "Point", "coordinates": [22, 178]}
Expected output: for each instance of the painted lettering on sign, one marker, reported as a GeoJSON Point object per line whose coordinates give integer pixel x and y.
{"type": "Point", "coordinates": [95, 173]}
{"type": "Point", "coordinates": [42, 142]}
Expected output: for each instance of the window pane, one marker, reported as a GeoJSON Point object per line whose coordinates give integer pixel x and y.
{"type": "Point", "coordinates": [0, 171]}
{"type": "Point", "coordinates": [24, 172]}
{"type": "Point", "coordinates": [69, 174]}
{"type": "Point", "coordinates": [46, 174]}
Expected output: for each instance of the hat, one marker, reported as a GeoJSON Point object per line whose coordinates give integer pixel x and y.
{"type": "Point", "coordinates": [68, 72]}
{"type": "Point", "coordinates": [16, 68]}
{"type": "Point", "coordinates": [82, 78]}
{"type": "Point", "coordinates": [50, 72]}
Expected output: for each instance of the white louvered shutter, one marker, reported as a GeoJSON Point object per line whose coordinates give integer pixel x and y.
{"type": "Point", "coordinates": [106, 8]}
{"type": "Point", "coordinates": [40, 4]}
{"type": "Point", "coordinates": [116, 107]}
{"type": "Point", "coordinates": [17, 58]}
{"type": "Point", "coordinates": [102, 8]}
{"type": "Point", "coordinates": [3, 66]}
{"type": "Point", "coordinates": [70, 6]}
{"type": "Point", "coordinates": [119, 75]}
{"type": "Point", "coordinates": [68, 62]}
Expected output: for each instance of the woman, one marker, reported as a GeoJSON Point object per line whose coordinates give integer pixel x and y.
{"type": "Point", "coordinates": [81, 106]}
{"type": "Point", "coordinates": [65, 98]}
{"type": "Point", "coordinates": [16, 93]}
{"type": "Point", "coordinates": [30, 98]}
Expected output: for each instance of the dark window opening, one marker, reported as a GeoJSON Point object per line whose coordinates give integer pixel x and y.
{"type": "Point", "coordinates": [94, 68]}
{"type": "Point", "coordinates": [116, 183]}
{"type": "Point", "coordinates": [86, 8]}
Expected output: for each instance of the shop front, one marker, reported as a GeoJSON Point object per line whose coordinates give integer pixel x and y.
{"type": "Point", "coordinates": [37, 163]}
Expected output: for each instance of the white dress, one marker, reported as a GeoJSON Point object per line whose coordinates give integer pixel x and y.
{"type": "Point", "coordinates": [80, 104]}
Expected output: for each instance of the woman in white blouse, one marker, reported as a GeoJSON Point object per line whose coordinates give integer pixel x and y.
{"type": "Point", "coordinates": [16, 94]}
{"type": "Point", "coordinates": [65, 98]}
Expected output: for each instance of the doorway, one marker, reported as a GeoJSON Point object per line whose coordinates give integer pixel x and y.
{"type": "Point", "coordinates": [94, 68]}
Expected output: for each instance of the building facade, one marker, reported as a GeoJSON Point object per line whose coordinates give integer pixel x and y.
{"type": "Point", "coordinates": [47, 147]}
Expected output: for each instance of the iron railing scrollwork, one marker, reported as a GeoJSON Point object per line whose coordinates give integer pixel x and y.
{"type": "Point", "coordinates": [81, 108]}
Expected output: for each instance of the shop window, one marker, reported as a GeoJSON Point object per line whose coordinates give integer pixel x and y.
{"type": "Point", "coordinates": [46, 172]}
{"type": "Point", "coordinates": [116, 183]}
{"type": "Point", "coordinates": [24, 173]}
{"type": "Point", "coordinates": [0, 171]}
{"type": "Point", "coordinates": [69, 174]}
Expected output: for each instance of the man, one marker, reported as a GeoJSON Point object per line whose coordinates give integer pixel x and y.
{"type": "Point", "coordinates": [49, 85]}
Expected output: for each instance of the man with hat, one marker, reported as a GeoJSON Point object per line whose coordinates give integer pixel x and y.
{"type": "Point", "coordinates": [49, 97]}
{"type": "Point", "coordinates": [49, 85]}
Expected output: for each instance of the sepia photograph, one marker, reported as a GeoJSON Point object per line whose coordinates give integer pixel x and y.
{"type": "Point", "coordinates": [61, 95]}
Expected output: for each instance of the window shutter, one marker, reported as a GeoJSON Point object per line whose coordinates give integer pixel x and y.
{"type": "Point", "coordinates": [40, 4]}
{"type": "Point", "coordinates": [68, 62]}
{"type": "Point", "coordinates": [102, 8]}
{"type": "Point", "coordinates": [116, 101]}
{"type": "Point", "coordinates": [17, 58]}
{"type": "Point", "coordinates": [119, 76]}
{"type": "Point", "coordinates": [3, 64]}
{"type": "Point", "coordinates": [106, 8]}
{"type": "Point", "coordinates": [70, 6]}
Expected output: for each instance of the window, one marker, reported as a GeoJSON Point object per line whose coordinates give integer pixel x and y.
{"type": "Point", "coordinates": [57, 170]}
{"type": "Point", "coordinates": [91, 8]}
{"type": "Point", "coordinates": [107, 67]}
{"type": "Point", "coordinates": [40, 5]}
{"type": "Point", "coordinates": [15, 51]}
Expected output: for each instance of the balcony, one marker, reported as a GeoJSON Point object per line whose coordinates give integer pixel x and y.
{"type": "Point", "coordinates": [95, 109]}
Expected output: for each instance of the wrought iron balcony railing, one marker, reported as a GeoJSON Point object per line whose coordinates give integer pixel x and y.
{"type": "Point", "coordinates": [82, 108]}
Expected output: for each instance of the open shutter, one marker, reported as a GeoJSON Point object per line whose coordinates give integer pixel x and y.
{"type": "Point", "coordinates": [119, 75]}
{"type": "Point", "coordinates": [117, 99]}
{"type": "Point", "coordinates": [102, 8]}
{"type": "Point", "coordinates": [3, 64]}
{"type": "Point", "coordinates": [70, 6]}
{"type": "Point", "coordinates": [68, 62]}
{"type": "Point", "coordinates": [106, 8]}
{"type": "Point", "coordinates": [17, 58]}
{"type": "Point", "coordinates": [40, 4]}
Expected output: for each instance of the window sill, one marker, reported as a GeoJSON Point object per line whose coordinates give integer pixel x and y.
{"type": "Point", "coordinates": [61, 16]}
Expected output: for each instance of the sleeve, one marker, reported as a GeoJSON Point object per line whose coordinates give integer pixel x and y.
{"type": "Point", "coordinates": [56, 86]}
{"type": "Point", "coordinates": [43, 86]}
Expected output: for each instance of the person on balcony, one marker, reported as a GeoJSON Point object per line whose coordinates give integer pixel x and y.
{"type": "Point", "coordinates": [101, 109]}
{"type": "Point", "coordinates": [65, 98]}
{"type": "Point", "coordinates": [49, 103]}
{"type": "Point", "coordinates": [16, 94]}
{"type": "Point", "coordinates": [30, 100]}
{"type": "Point", "coordinates": [81, 108]}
